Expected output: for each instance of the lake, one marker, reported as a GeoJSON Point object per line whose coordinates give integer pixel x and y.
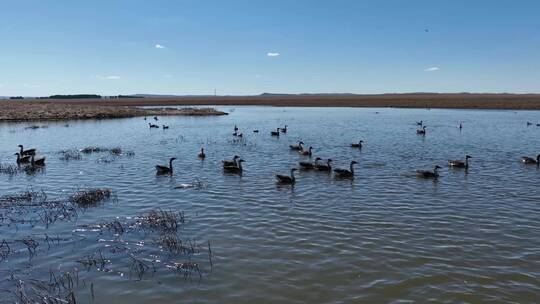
{"type": "Point", "coordinates": [385, 237]}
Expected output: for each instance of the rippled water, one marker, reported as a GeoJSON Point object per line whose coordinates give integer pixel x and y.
{"type": "Point", "coordinates": [386, 237]}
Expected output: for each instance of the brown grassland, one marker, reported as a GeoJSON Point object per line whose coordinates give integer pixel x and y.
{"type": "Point", "coordinates": [61, 109]}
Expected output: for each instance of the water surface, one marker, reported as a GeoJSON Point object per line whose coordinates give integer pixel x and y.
{"type": "Point", "coordinates": [385, 237]}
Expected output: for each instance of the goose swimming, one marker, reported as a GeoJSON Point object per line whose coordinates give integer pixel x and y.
{"type": "Point", "coordinates": [235, 169]}
{"type": "Point", "coordinates": [164, 169]}
{"type": "Point", "coordinates": [23, 159]}
{"type": "Point", "coordinates": [420, 123]}
{"type": "Point", "coordinates": [26, 152]}
{"type": "Point", "coordinates": [530, 161]}
{"type": "Point", "coordinates": [309, 165]}
{"type": "Point", "coordinates": [165, 127]}
{"type": "Point", "coordinates": [421, 131]}
{"type": "Point", "coordinates": [429, 174]}
{"type": "Point", "coordinates": [297, 147]}
{"type": "Point", "coordinates": [324, 167]}
{"type": "Point", "coordinates": [233, 162]}
{"type": "Point", "coordinates": [343, 173]}
{"type": "Point", "coordinates": [201, 154]}
{"type": "Point", "coordinates": [284, 179]}
{"type": "Point", "coordinates": [358, 145]}
{"type": "Point", "coordinates": [284, 130]}
{"type": "Point", "coordinates": [39, 162]}
{"type": "Point", "coordinates": [275, 133]}
{"type": "Point", "coordinates": [306, 152]}
{"type": "Point", "coordinates": [460, 163]}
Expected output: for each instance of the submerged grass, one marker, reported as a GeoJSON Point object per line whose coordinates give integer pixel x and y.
{"type": "Point", "coordinates": [163, 221]}
{"type": "Point", "coordinates": [90, 197]}
{"type": "Point", "coordinates": [10, 169]}
{"type": "Point", "coordinates": [69, 155]}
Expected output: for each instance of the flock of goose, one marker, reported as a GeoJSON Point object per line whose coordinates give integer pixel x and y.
{"type": "Point", "coordinates": [29, 157]}
{"type": "Point", "coordinates": [234, 165]}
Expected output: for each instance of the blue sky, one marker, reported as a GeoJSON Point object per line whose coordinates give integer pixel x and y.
{"type": "Point", "coordinates": [250, 46]}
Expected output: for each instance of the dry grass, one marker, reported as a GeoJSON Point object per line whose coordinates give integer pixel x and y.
{"type": "Point", "coordinates": [34, 110]}
{"type": "Point", "coordinates": [408, 100]}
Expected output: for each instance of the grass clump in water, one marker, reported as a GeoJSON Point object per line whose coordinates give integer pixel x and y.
{"type": "Point", "coordinates": [69, 155]}
{"type": "Point", "coordinates": [164, 221]}
{"type": "Point", "coordinates": [90, 197]}
{"type": "Point", "coordinates": [10, 169]}
{"type": "Point", "coordinates": [90, 150]}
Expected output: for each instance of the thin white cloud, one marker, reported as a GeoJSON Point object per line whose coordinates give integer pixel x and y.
{"type": "Point", "coordinates": [159, 46]}
{"type": "Point", "coordinates": [272, 54]}
{"type": "Point", "coordinates": [110, 77]}
{"type": "Point", "coordinates": [31, 85]}
{"type": "Point", "coordinates": [432, 69]}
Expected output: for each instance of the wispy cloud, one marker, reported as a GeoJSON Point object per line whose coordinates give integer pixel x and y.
{"type": "Point", "coordinates": [159, 46]}
{"type": "Point", "coordinates": [110, 77]}
{"type": "Point", "coordinates": [31, 85]}
{"type": "Point", "coordinates": [272, 54]}
{"type": "Point", "coordinates": [432, 69]}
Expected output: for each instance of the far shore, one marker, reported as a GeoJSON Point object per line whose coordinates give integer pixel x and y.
{"type": "Point", "coordinates": [104, 108]}
{"type": "Point", "coordinates": [413, 100]}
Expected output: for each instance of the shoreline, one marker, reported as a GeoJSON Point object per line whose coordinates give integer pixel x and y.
{"type": "Point", "coordinates": [414, 100]}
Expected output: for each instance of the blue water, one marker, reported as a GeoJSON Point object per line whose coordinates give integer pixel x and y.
{"type": "Point", "coordinates": [384, 237]}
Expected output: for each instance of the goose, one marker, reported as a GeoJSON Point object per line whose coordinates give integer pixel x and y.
{"type": "Point", "coordinates": [284, 179]}
{"type": "Point", "coordinates": [538, 125]}
{"type": "Point", "coordinates": [255, 131]}
{"type": "Point", "coordinates": [24, 159]}
{"type": "Point", "coordinates": [155, 118]}
{"type": "Point", "coordinates": [460, 163]}
{"type": "Point", "coordinates": [428, 174]}
{"type": "Point", "coordinates": [324, 167]}
{"type": "Point", "coordinates": [241, 135]}
{"type": "Point", "coordinates": [233, 162]}
{"type": "Point", "coordinates": [344, 173]}
{"type": "Point", "coordinates": [145, 118]}
{"type": "Point", "coordinates": [358, 145]}
{"type": "Point", "coordinates": [164, 169]}
{"type": "Point", "coordinates": [37, 162]}
{"type": "Point", "coordinates": [420, 123]}
{"type": "Point", "coordinates": [153, 126]}
{"type": "Point", "coordinates": [165, 127]}
{"type": "Point", "coordinates": [202, 155]}
{"type": "Point", "coordinates": [421, 131]}
{"type": "Point", "coordinates": [529, 123]}
{"type": "Point", "coordinates": [26, 152]}
{"type": "Point", "coordinates": [297, 147]}
{"type": "Point", "coordinates": [529, 160]}
{"type": "Point", "coordinates": [306, 152]}
{"type": "Point", "coordinates": [235, 133]}
{"type": "Point", "coordinates": [284, 130]}
{"type": "Point", "coordinates": [235, 129]}
{"type": "Point", "coordinates": [309, 165]}
{"type": "Point", "coordinates": [235, 169]}
{"type": "Point", "coordinates": [275, 133]}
